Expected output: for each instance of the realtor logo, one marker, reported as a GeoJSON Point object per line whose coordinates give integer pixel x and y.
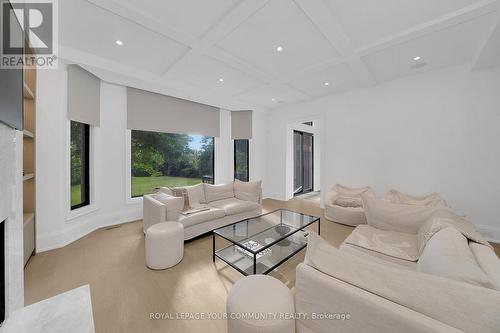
{"type": "Point", "coordinates": [29, 34]}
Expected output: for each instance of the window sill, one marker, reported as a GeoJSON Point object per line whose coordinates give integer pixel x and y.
{"type": "Point", "coordinates": [76, 213]}
{"type": "Point", "coordinates": [133, 201]}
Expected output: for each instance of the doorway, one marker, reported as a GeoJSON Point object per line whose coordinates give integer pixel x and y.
{"type": "Point", "coordinates": [303, 162]}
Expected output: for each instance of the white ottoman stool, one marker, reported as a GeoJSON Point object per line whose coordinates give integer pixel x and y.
{"type": "Point", "coordinates": [260, 294]}
{"type": "Point", "coordinates": [164, 245]}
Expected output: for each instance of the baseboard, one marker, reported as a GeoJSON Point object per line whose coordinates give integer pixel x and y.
{"type": "Point", "coordinates": [273, 195]}
{"type": "Point", "coordinates": [73, 232]}
{"type": "Point", "coordinates": [491, 233]}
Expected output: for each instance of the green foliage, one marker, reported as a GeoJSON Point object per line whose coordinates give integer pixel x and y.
{"type": "Point", "coordinates": [165, 154]}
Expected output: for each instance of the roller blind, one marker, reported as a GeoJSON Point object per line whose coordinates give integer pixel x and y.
{"type": "Point", "coordinates": [84, 96]}
{"type": "Point", "coordinates": [241, 125]}
{"type": "Point", "coordinates": [149, 111]}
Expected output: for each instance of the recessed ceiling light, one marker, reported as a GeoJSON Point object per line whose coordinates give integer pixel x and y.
{"type": "Point", "coordinates": [221, 80]}
{"type": "Point", "coordinates": [326, 83]}
{"type": "Point", "coordinates": [417, 58]}
{"type": "Point", "coordinates": [119, 42]}
{"type": "Point", "coordinates": [279, 48]}
{"type": "Point", "coordinates": [273, 99]}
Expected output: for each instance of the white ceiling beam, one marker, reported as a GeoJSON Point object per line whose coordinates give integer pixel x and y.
{"type": "Point", "coordinates": [117, 73]}
{"type": "Point", "coordinates": [326, 22]}
{"type": "Point", "coordinates": [234, 18]}
{"type": "Point", "coordinates": [460, 16]}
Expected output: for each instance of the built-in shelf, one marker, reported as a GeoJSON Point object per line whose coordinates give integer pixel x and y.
{"type": "Point", "coordinates": [27, 217]}
{"type": "Point", "coordinates": [28, 176]}
{"type": "Point", "coordinates": [27, 93]}
{"type": "Point", "coordinates": [28, 134]}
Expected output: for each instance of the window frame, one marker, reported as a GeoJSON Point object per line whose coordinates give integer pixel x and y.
{"type": "Point", "coordinates": [248, 158]}
{"type": "Point", "coordinates": [85, 158]}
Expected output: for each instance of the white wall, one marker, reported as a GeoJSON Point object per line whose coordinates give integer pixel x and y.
{"type": "Point", "coordinates": [110, 161]}
{"type": "Point", "coordinates": [438, 131]}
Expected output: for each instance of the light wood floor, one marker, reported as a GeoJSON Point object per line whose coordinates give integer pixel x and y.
{"type": "Point", "coordinates": [124, 292]}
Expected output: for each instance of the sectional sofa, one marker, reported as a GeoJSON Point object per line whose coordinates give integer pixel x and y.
{"type": "Point", "coordinates": [209, 206]}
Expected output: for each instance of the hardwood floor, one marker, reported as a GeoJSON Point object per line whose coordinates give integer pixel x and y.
{"type": "Point", "coordinates": [124, 292]}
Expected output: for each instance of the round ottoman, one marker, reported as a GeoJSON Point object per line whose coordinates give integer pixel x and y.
{"type": "Point", "coordinates": [164, 245]}
{"type": "Point", "coordinates": [260, 295]}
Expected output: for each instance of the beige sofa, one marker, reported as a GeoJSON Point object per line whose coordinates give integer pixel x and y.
{"type": "Point", "coordinates": [411, 269]}
{"type": "Point", "coordinates": [223, 204]}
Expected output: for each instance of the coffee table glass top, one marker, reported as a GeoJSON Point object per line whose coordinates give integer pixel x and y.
{"type": "Point", "coordinates": [259, 245]}
{"type": "Point", "coordinates": [265, 229]}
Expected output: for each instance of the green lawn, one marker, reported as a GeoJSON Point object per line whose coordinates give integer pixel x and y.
{"type": "Point", "coordinates": [75, 195]}
{"type": "Point", "coordinates": [145, 185]}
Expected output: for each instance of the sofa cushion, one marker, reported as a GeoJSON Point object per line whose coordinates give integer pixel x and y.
{"type": "Point", "coordinates": [447, 254]}
{"type": "Point", "coordinates": [174, 205]}
{"type": "Point", "coordinates": [249, 191]}
{"type": "Point", "coordinates": [200, 217]}
{"type": "Point", "coordinates": [385, 215]}
{"type": "Point", "coordinates": [234, 206]}
{"type": "Point", "coordinates": [378, 257]}
{"type": "Point", "coordinates": [390, 243]}
{"type": "Point", "coordinates": [433, 199]}
{"type": "Point", "coordinates": [218, 192]}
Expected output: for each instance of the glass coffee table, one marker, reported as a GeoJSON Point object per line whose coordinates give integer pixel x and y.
{"type": "Point", "coordinates": [259, 245]}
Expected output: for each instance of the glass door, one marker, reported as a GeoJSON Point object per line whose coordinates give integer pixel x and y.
{"type": "Point", "coordinates": [303, 148]}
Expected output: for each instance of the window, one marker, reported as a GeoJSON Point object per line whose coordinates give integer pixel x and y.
{"type": "Point", "coordinates": [80, 189]}
{"type": "Point", "coordinates": [165, 159]}
{"type": "Point", "coordinates": [241, 159]}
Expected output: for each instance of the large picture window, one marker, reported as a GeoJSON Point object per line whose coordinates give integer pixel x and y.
{"type": "Point", "coordinates": [241, 159]}
{"type": "Point", "coordinates": [80, 184]}
{"type": "Point", "coordinates": [165, 159]}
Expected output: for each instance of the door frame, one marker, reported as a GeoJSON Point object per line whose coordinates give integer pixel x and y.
{"type": "Point", "coordinates": [302, 133]}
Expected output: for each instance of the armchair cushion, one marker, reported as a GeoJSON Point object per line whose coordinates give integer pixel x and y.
{"type": "Point", "coordinates": [344, 201]}
{"type": "Point", "coordinates": [385, 215]}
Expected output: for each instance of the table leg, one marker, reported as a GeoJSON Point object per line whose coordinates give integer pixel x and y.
{"type": "Point", "coordinates": [255, 264]}
{"type": "Point", "coordinates": [319, 227]}
{"type": "Point", "coordinates": [213, 247]}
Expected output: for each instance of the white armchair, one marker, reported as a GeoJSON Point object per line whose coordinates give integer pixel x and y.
{"type": "Point", "coordinates": [153, 211]}
{"type": "Point", "coordinates": [344, 204]}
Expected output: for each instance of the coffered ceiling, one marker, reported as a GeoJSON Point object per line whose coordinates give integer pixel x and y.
{"type": "Point", "coordinates": [241, 54]}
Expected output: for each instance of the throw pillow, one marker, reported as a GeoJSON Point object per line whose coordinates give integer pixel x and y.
{"type": "Point", "coordinates": [448, 254]}
{"type": "Point", "coordinates": [181, 192]}
{"type": "Point", "coordinates": [173, 205]}
{"type": "Point", "coordinates": [248, 191]}
{"type": "Point", "coordinates": [218, 192]}
{"type": "Point", "coordinates": [343, 201]}
{"type": "Point", "coordinates": [386, 215]}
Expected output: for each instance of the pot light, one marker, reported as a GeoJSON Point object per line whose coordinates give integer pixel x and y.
{"type": "Point", "coordinates": [326, 83]}
{"type": "Point", "coordinates": [273, 99]}
{"type": "Point", "coordinates": [119, 42]}
{"type": "Point", "coordinates": [221, 80]}
{"type": "Point", "coordinates": [279, 48]}
{"type": "Point", "coordinates": [417, 58]}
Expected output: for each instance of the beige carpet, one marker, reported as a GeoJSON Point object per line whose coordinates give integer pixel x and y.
{"type": "Point", "coordinates": [125, 292]}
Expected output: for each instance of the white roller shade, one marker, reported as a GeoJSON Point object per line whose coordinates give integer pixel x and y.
{"type": "Point", "coordinates": [84, 96]}
{"type": "Point", "coordinates": [149, 111]}
{"type": "Point", "coordinates": [241, 125]}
